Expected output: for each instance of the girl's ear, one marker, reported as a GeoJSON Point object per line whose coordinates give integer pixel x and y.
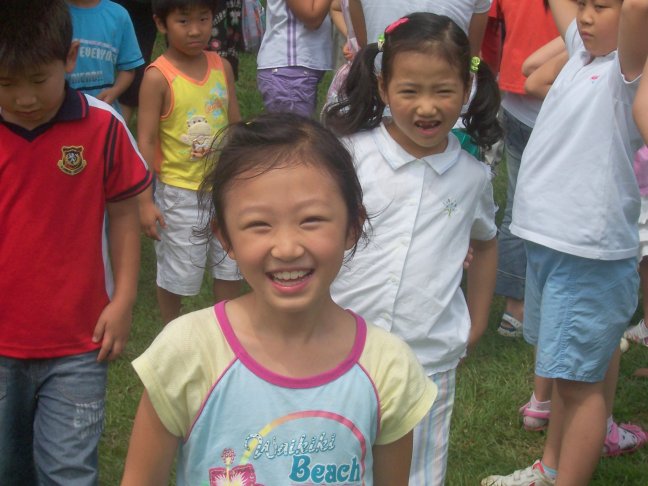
{"type": "Point", "coordinates": [382, 90]}
{"type": "Point", "coordinates": [218, 233]}
{"type": "Point", "coordinates": [354, 232]}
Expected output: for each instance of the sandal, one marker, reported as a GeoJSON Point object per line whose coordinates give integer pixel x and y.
{"type": "Point", "coordinates": [532, 419]}
{"type": "Point", "coordinates": [612, 447]}
{"type": "Point", "coordinates": [510, 326]}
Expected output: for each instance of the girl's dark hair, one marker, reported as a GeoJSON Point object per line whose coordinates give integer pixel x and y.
{"type": "Point", "coordinates": [361, 107]}
{"type": "Point", "coordinates": [162, 8]}
{"type": "Point", "coordinates": [33, 33]}
{"type": "Point", "coordinates": [272, 141]}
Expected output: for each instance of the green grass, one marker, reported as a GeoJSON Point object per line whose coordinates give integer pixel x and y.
{"type": "Point", "coordinates": [486, 436]}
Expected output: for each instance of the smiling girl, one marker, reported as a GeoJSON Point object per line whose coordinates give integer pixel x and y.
{"type": "Point", "coordinates": [279, 386]}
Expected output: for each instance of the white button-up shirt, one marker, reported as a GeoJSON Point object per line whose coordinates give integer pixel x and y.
{"type": "Point", "coordinates": [423, 213]}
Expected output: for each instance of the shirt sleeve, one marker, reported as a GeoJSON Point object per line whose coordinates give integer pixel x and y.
{"type": "Point", "coordinates": [130, 55]}
{"type": "Point", "coordinates": [126, 172]}
{"type": "Point", "coordinates": [484, 227]}
{"type": "Point", "coordinates": [482, 6]}
{"type": "Point", "coordinates": [180, 367]}
{"type": "Point", "coordinates": [406, 394]}
{"type": "Point", "coordinates": [573, 40]}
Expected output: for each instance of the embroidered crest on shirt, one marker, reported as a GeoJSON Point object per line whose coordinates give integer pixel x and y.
{"type": "Point", "coordinates": [449, 206]}
{"type": "Point", "coordinates": [72, 161]}
{"type": "Point", "coordinates": [594, 78]}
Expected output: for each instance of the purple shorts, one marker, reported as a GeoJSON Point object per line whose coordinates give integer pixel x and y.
{"type": "Point", "coordinates": [289, 89]}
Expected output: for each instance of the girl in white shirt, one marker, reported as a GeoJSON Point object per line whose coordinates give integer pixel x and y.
{"type": "Point", "coordinates": [429, 202]}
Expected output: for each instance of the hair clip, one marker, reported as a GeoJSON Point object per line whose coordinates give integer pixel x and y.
{"type": "Point", "coordinates": [381, 41]}
{"type": "Point", "coordinates": [474, 64]}
{"type": "Point", "coordinates": [390, 28]}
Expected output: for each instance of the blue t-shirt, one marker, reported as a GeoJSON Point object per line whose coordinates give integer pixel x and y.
{"type": "Point", "coordinates": [107, 44]}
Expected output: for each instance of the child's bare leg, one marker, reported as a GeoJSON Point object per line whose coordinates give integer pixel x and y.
{"type": "Point", "coordinates": [226, 289]}
{"type": "Point", "coordinates": [576, 431]}
{"type": "Point", "coordinates": [515, 307]}
{"type": "Point", "coordinates": [169, 304]}
{"type": "Point", "coordinates": [643, 278]}
{"type": "Point", "coordinates": [610, 381]}
{"type": "Point", "coordinates": [542, 388]}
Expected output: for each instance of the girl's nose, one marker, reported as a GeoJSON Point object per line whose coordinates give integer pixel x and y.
{"type": "Point", "coordinates": [287, 246]}
{"type": "Point", "coordinates": [427, 106]}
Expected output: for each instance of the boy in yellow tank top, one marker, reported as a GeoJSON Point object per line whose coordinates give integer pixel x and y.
{"type": "Point", "coordinates": [187, 96]}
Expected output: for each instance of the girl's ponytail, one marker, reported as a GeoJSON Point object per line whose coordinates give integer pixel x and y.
{"type": "Point", "coordinates": [481, 118]}
{"type": "Point", "coordinates": [360, 106]}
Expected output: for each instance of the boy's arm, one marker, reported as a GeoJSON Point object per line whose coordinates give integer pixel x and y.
{"type": "Point", "coordinates": [391, 464]}
{"type": "Point", "coordinates": [358, 21]}
{"type": "Point", "coordinates": [550, 50]}
{"type": "Point", "coordinates": [633, 41]}
{"type": "Point", "coordinates": [539, 82]}
{"type": "Point", "coordinates": [310, 12]}
{"type": "Point", "coordinates": [476, 31]}
{"type": "Point", "coordinates": [481, 286]}
{"type": "Point", "coordinates": [151, 106]}
{"type": "Point", "coordinates": [114, 323]}
{"type": "Point", "coordinates": [151, 450]}
{"type": "Point", "coordinates": [640, 105]}
{"type": "Point", "coordinates": [337, 18]}
{"type": "Point", "coordinates": [233, 110]}
{"type": "Point", "coordinates": [563, 11]}
{"type": "Point", "coordinates": [122, 82]}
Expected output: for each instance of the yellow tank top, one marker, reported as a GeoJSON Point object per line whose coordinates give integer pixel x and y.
{"type": "Point", "coordinates": [197, 113]}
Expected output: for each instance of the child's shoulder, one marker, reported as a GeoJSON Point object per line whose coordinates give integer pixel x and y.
{"type": "Point", "coordinates": [383, 346]}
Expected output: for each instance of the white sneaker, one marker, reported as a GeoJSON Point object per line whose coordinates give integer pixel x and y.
{"type": "Point", "coordinates": [533, 475]}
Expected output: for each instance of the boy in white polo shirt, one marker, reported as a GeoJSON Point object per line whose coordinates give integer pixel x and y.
{"type": "Point", "coordinates": [577, 207]}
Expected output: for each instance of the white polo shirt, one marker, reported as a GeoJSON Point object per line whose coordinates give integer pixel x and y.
{"type": "Point", "coordinates": [423, 213]}
{"type": "Point", "coordinates": [576, 190]}
{"type": "Point", "coordinates": [380, 13]}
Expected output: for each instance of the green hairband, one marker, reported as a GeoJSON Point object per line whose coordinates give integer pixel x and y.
{"type": "Point", "coordinates": [474, 64]}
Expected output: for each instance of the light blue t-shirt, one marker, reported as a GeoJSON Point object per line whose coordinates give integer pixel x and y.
{"type": "Point", "coordinates": [107, 44]}
{"type": "Point", "coordinates": [242, 423]}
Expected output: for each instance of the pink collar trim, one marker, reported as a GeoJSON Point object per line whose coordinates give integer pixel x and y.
{"type": "Point", "coordinates": [286, 381]}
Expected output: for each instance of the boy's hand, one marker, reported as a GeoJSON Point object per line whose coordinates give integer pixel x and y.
{"type": "Point", "coordinates": [109, 95]}
{"type": "Point", "coordinates": [150, 217]}
{"type": "Point", "coordinates": [112, 330]}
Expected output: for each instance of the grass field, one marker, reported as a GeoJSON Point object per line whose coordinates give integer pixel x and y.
{"type": "Point", "coordinates": [486, 434]}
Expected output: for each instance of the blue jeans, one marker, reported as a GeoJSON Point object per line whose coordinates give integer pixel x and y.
{"type": "Point", "coordinates": [51, 419]}
{"type": "Point", "coordinates": [511, 264]}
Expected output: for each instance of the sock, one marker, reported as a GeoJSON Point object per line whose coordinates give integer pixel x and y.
{"type": "Point", "coordinates": [610, 423]}
{"type": "Point", "coordinates": [550, 472]}
{"type": "Point", "coordinates": [542, 406]}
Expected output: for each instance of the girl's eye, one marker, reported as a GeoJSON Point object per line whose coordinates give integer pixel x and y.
{"type": "Point", "coordinates": [256, 225]}
{"type": "Point", "coordinates": [313, 220]}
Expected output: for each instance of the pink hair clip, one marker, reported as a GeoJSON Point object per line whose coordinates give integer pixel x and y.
{"type": "Point", "coordinates": [390, 28]}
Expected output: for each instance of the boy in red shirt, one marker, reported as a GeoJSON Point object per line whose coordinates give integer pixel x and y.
{"type": "Point", "coordinates": [69, 250]}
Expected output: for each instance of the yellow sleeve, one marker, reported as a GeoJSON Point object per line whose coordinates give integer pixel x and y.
{"type": "Point", "coordinates": [180, 367]}
{"type": "Point", "coordinates": [406, 394]}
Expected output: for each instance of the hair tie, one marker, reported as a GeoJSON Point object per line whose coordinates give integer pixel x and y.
{"type": "Point", "coordinates": [390, 28]}
{"type": "Point", "coordinates": [474, 64]}
{"type": "Point", "coordinates": [381, 41]}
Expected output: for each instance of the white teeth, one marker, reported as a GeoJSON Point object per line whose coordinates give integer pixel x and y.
{"type": "Point", "coordinates": [294, 275]}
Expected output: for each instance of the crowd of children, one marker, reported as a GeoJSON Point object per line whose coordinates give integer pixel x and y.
{"type": "Point", "coordinates": [337, 364]}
